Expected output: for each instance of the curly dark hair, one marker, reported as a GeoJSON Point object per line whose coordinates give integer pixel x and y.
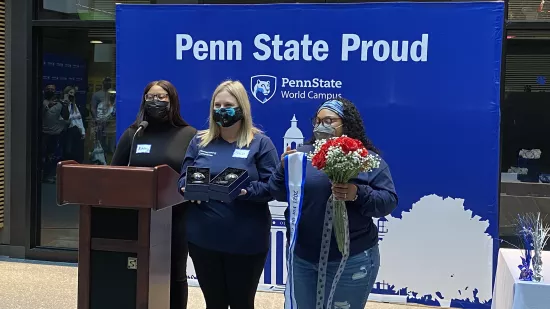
{"type": "Point", "coordinates": [352, 125]}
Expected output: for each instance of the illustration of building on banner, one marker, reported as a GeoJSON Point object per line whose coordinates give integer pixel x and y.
{"type": "Point", "coordinates": [382, 224]}
{"type": "Point", "coordinates": [275, 272]}
{"type": "Point", "coordinates": [384, 288]}
{"type": "Point", "coordinates": [293, 136]}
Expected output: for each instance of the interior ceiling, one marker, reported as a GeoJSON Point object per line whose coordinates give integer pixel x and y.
{"type": "Point", "coordinates": [105, 6]}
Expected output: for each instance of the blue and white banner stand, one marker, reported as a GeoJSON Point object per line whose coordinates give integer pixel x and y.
{"type": "Point", "coordinates": [426, 78]}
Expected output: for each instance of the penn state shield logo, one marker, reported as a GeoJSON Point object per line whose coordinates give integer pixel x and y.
{"type": "Point", "coordinates": [263, 87]}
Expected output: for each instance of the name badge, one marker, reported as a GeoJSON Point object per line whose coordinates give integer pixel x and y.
{"type": "Point", "coordinates": [241, 153]}
{"type": "Point", "coordinates": [143, 148]}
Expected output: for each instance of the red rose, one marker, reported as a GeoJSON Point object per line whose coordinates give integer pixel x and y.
{"type": "Point", "coordinates": [319, 160]}
{"type": "Point", "coordinates": [347, 144]}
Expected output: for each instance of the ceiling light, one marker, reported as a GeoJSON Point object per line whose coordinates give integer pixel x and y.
{"type": "Point", "coordinates": [96, 42]}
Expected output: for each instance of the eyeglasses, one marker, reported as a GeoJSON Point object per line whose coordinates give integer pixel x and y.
{"type": "Point", "coordinates": [327, 121]}
{"type": "Point", "coordinates": [158, 96]}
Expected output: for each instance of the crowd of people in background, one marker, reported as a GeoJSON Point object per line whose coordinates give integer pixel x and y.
{"type": "Point", "coordinates": [73, 130]}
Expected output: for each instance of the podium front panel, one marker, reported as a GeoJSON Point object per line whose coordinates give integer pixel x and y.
{"type": "Point", "coordinates": [114, 223]}
{"type": "Point", "coordinates": [112, 284]}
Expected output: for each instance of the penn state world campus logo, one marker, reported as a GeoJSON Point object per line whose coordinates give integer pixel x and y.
{"type": "Point", "coordinates": [263, 87]}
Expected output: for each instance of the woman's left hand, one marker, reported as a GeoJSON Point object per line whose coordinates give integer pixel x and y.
{"type": "Point", "coordinates": [344, 191]}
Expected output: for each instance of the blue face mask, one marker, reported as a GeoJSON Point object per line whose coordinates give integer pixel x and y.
{"type": "Point", "coordinates": [227, 116]}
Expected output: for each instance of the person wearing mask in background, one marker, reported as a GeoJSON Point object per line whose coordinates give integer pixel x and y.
{"type": "Point", "coordinates": [102, 109]}
{"type": "Point", "coordinates": [76, 133]}
{"type": "Point", "coordinates": [55, 117]}
{"type": "Point", "coordinates": [100, 96]}
{"type": "Point", "coordinates": [164, 141]}
{"type": "Point", "coordinates": [370, 195]}
{"type": "Point", "coordinates": [228, 243]}
{"type": "Point", "coordinates": [81, 104]}
{"type": "Point", "coordinates": [105, 124]}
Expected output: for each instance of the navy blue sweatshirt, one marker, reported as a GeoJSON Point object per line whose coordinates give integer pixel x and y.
{"type": "Point", "coordinates": [243, 226]}
{"type": "Point", "coordinates": [376, 198]}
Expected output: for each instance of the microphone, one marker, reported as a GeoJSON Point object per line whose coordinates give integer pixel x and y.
{"type": "Point", "coordinates": [142, 126]}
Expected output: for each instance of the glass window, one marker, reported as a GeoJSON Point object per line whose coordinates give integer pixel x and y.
{"type": "Point", "coordinates": [525, 127]}
{"type": "Point", "coordinates": [82, 9]}
{"type": "Point", "coordinates": [77, 115]}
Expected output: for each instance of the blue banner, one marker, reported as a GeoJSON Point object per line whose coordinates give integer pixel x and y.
{"type": "Point", "coordinates": [426, 78]}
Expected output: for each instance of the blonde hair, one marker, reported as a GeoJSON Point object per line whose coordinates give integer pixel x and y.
{"type": "Point", "coordinates": [247, 130]}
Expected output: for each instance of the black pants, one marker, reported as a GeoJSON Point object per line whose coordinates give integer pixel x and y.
{"type": "Point", "coordinates": [74, 145]}
{"type": "Point", "coordinates": [178, 276]}
{"type": "Point", "coordinates": [227, 279]}
{"type": "Point", "coordinates": [53, 152]}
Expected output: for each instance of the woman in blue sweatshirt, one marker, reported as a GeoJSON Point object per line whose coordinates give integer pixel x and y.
{"type": "Point", "coordinates": [228, 242]}
{"type": "Point", "coordinates": [369, 195]}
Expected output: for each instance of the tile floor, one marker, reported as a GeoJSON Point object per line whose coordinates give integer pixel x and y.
{"type": "Point", "coordinates": [43, 285]}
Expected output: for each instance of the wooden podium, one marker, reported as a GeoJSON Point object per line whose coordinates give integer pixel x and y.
{"type": "Point", "coordinates": [125, 233]}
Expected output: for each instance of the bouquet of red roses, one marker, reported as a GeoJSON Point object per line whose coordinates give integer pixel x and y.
{"type": "Point", "coordinates": [342, 158]}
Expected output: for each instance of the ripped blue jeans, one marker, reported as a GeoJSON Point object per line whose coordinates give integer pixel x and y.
{"type": "Point", "coordinates": [352, 290]}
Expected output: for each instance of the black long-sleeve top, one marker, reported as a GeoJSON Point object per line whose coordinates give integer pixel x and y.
{"type": "Point", "coordinates": [160, 143]}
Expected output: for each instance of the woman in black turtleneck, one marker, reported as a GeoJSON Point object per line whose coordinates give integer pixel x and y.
{"type": "Point", "coordinates": [164, 141]}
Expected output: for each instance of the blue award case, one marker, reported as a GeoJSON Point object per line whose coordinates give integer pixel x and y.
{"type": "Point", "coordinates": [228, 190]}
{"type": "Point", "coordinates": [197, 190]}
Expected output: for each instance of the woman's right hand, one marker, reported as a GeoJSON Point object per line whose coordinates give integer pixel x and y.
{"type": "Point", "coordinates": [286, 153]}
{"type": "Point", "coordinates": [183, 191]}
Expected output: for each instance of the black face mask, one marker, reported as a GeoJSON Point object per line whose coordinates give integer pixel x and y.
{"type": "Point", "coordinates": [157, 110]}
{"type": "Point", "coordinates": [107, 86]}
{"type": "Point", "coordinates": [48, 94]}
{"type": "Point", "coordinates": [228, 116]}
{"type": "Point", "coordinates": [71, 98]}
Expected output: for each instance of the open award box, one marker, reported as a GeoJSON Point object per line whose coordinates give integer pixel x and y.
{"type": "Point", "coordinates": [227, 185]}
{"type": "Point", "coordinates": [197, 184]}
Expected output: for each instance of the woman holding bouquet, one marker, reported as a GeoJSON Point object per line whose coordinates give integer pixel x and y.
{"type": "Point", "coordinates": [312, 267]}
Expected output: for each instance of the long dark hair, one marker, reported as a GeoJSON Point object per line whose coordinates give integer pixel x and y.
{"type": "Point", "coordinates": [174, 116]}
{"type": "Point", "coordinates": [352, 125]}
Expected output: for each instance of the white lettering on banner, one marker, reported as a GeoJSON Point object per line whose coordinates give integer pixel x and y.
{"type": "Point", "coordinates": [313, 83]}
{"type": "Point", "coordinates": [201, 50]}
{"type": "Point", "coordinates": [285, 94]}
{"type": "Point", "coordinates": [292, 48]}
{"type": "Point", "coordinates": [310, 83]}
{"type": "Point", "coordinates": [381, 49]}
{"type": "Point", "coordinates": [305, 49]}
